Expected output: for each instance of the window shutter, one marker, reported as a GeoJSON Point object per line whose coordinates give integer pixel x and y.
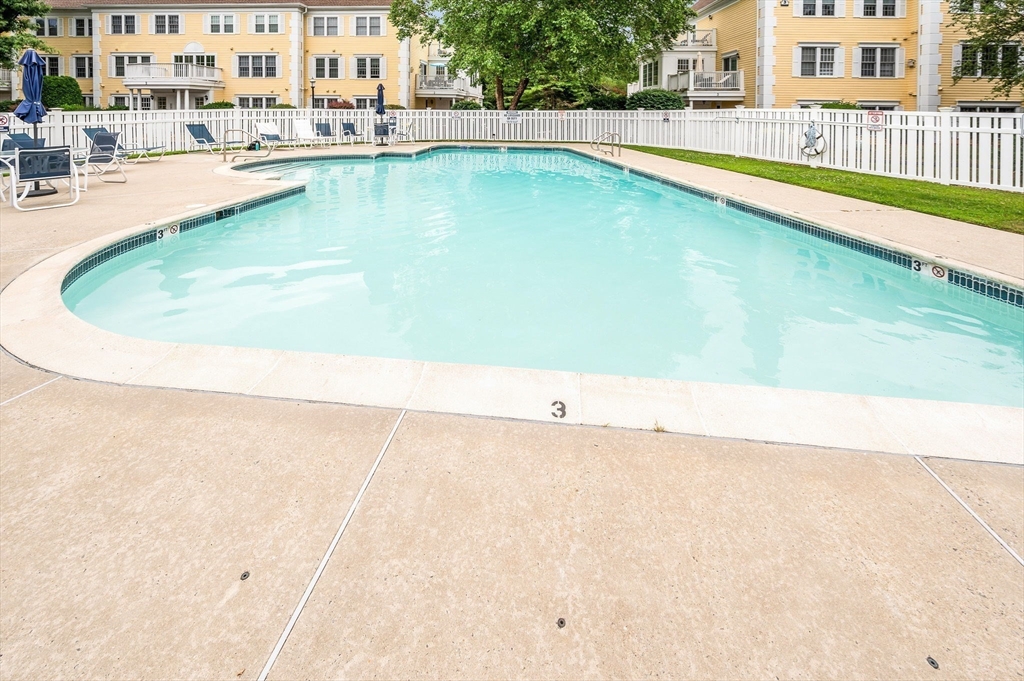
{"type": "Point", "coordinates": [901, 8]}
{"type": "Point", "coordinates": [351, 25]}
{"type": "Point", "coordinates": [798, 7]}
{"type": "Point", "coordinates": [383, 68]}
{"type": "Point", "coordinates": [352, 67]}
{"type": "Point", "coordinates": [106, 24]}
{"type": "Point", "coordinates": [251, 21]}
{"type": "Point", "coordinates": [238, 27]}
{"type": "Point", "coordinates": [341, 66]}
{"type": "Point", "coordinates": [60, 27]}
{"type": "Point", "coordinates": [152, 24]}
{"type": "Point", "coordinates": [840, 67]}
{"type": "Point", "coordinates": [856, 63]}
{"type": "Point", "coordinates": [206, 23]}
{"type": "Point", "coordinates": [858, 8]}
{"type": "Point", "coordinates": [796, 60]}
{"type": "Point", "coordinates": [384, 25]}
{"type": "Point", "coordinates": [312, 67]}
{"type": "Point", "coordinates": [840, 8]}
{"type": "Point", "coordinates": [958, 56]}
{"type": "Point", "coordinates": [234, 66]}
{"type": "Point", "coordinates": [901, 62]}
{"type": "Point", "coordinates": [138, 25]}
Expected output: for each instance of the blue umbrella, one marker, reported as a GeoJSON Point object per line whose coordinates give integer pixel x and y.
{"type": "Point", "coordinates": [380, 100]}
{"type": "Point", "coordinates": [31, 108]}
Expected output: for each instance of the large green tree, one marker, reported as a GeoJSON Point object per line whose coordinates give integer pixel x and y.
{"type": "Point", "coordinates": [509, 43]}
{"type": "Point", "coordinates": [995, 33]}
{"type": "Point", "coordinates": [18, 30]}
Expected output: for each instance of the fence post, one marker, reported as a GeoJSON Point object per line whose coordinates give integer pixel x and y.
{"type": "Point", "coordinates": [945, 144]}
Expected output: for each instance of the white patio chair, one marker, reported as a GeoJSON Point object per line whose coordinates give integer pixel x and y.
{"type": "Point", "coordinates": [104, 156]}
{"type": "Point", "coordinates": [307, 136]}
{"type": "Point", "coordinates": [270, 134]}
{"type": "Point", "coordinates": [405, 133]}
{"type": "Point", "coordinates": [30, 167]}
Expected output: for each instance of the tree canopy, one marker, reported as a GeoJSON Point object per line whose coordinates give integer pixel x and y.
{"type": "Point", "coordinates": [506, 42]}
{"type": "Point", "coordinates": [994, 45]}
{"type": "Point", "coordinates": [18, 31]}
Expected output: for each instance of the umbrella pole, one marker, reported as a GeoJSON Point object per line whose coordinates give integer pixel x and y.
{"type": "Point", "coordinates": [39, 191]}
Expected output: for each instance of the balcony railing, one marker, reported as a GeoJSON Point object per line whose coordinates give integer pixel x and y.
{"type": "Point", "coordinates": [437, 52]}
{"type": "Point", "coordinates": [702, 39]}
{"type": "Point", "coordinates": [173, 74]}
{"type": "Point", "coordinates": [694, 82]}
{"type": "Point", "coordinates": [445, 85]}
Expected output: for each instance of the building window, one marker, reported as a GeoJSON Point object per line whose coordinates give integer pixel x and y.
{"type": "Point", "coordinates": [87, 100]}
{"type": "Point", "coordinates": [367, 67]}
{"type": "Point", "coordinates": [144, 103]}
{"type": "Point", "coordinates": [731, 63]}
{"type": "Point", "coordinates": [872, 9]}
{"type": "Point", "coordinates": [266, 23]}
{"type": "Point", "coordinates": [256, 102]}
{"type": "Point", "coordinates": [123, 24]}
{"type": "Point", "coordinates": [322, 102]}
{"type": "Point", "coordinates": [82, 27]}
{"type": "Point", "coordinates": [121, 60]}
{"type": "Point", "coordinates": [325, 25]}
{"type": "Point", "coordinates": [368, 26]}
{"type": "Point", "coordinates": [878, 62]}
{"type": "Point", "coordinates": [52, 66]}
{"type": "Point", "coordinates": [257, 66]}
{"type": "Point", "coordinates": [683, 65]}
{"type": "Point", "coordinates": [201, 59]}
{"type": "Point", "coordinates": [817, 61]}
{"type": "Point", "coordinates": [819, 8]}
{"type": "Point", "coordinates": [167, 24]}
{"type": "Point", "coordinates": [327, 67]}
{"type": "Point", "coordinates": [48, 27]}
{"type": "Point", "coordinates": [222, 23]}
{"type": "Point", "coordinates": [365, 102]}
{"type": "Point", "coordinates": [161, 103]}
{"type": "Point", "coordinates": [650, 74]}
{"type": "Point", "coordinates": [83, 67]}
{"type": "Point", "coordinates": [989, 61]}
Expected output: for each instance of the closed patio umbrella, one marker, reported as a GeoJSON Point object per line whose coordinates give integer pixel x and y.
{"type": "Point", "coordinates": [31, 109]}
{"type": "Point", "coordinates": [380, 100]}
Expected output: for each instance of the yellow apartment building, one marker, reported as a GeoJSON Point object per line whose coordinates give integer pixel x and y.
{"type": "Point", "coordinates": [153, 55]}
{"type": "Point", "coordinates": [878, 54]}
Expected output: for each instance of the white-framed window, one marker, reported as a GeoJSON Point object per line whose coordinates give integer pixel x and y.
{"type": "Point", "coordinates": [168, 24]}
{"type": "Point", "coordinates": [878, 8]}
{"type": "Point", "coordinates": [81, 27]}
{"type": "Point", "coordinates": [685, 65]}
{"type": "Point", "coordinates": [256, 66]}
{"type": "Point", "coordinates": [200, 100]}
{"type": "Point", "coordinates": [989, 107]}
{"type": "Point", "coordinates": [985, 61]}
{"type": "Point", "coordinates": [83, 66]}
{"type": "Point", "coordinates": [265, 23]}
{"type": "Point", "coordinates": [322, 102]}
{"type": "Point", "coordinates": [368, 26]}
{"type": "Point", "coordinates": [731, 62]}
{"type": "Point", "coordinates": [119, 100]}
{"type": "Point", "coordinates": [48, 27]}
{"type": "Point", "coordinates": [365, 102]}
{"type": "Point", "coordinates": [161, 103]}
{"type": "Point", "coordinates": [144, 103]}
{"type": "Point", "coordinates": [649, 74]}
{"type": "Point", "coordinates": [221, 23]}
{"type": "Point", "coordinates": [201, 59]}
{"type": "Point", "coordinates": [123, 24]}
{"type": "Point", "coordinates": [118, 62]}
{"type": "Point", "coordinates": [878, 61]}
{"type": "Point", "coordinates": [52, 65]}
{"type": "Point", "coordinates": [255, 102]}
{"type": "Point", "coordinates": [368, 67]}
{"type": "Point", "coordinates": [819, 8]}
{"type": "Point", "coordinates": [818, 61]}
{"type": "Point", "coordinates": [885, 105]}
{"type": "Point", "coordinates": [87, 100]}
{"type": "Point", "coordinates": [324, 25]}
{"type": "Point", "coordinates": [327, 66]}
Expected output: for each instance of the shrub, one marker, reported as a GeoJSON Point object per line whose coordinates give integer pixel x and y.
{"type": "Point", "coordinates": [466, 105]}
{"type": "Point", "coordinates": [605, 101]}
{"type": "Point", "coordinates": [116, 107]}
{"type": "Point", "coordinates": [61, 92]}
{"type": "Point", "coordinates": [282, 106]}
{"type": "Point", "coordinates": [655, 99]}
{"type": "Point", "coordinates": [839, 105]}
{"type": "Point", "coordinates": [395, 107]}
{"type": "Point", "coordinates": [82, 107]}
{"type": "Point", "coordinates": [9, 104]}
{"type": "Point", "coordinates": [340, 104]}
{"type": "Point", "coordinates": [218, 105]}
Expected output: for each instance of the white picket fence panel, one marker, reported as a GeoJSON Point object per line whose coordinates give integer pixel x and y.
{"type": "Point", "coordinates": [979, 150]}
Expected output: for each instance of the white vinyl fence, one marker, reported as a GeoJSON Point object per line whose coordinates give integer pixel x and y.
{"type": "Point", "coordinates": [979, 150]}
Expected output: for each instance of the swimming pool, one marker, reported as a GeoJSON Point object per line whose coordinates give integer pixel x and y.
{"type": "Point", "coordinates": [549, 260]}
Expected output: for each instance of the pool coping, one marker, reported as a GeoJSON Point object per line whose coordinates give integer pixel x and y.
{"type": "Point", "coordinates": [36, 327]}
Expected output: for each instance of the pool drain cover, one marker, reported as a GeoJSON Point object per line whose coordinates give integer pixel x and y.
{"type": "Point", "coordinates": [933, 663]}
{"type": "Point", "coordinates": [245, 575]}
{"type": "Point", "coordinates": [561, 622]}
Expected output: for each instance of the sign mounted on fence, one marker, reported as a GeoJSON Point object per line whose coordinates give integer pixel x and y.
{"type": "Point", "coordinates": [5, 123]}
{"type": "Point", "coordinates": [664, 118]}
{"type": "Point", "coordinates": [511, 116]}
{"type": "Point", "coordinates": [876, 121]}
{"type": "Point", "coordinates": [456, 114]}
{"type": "Point", "coordinates": [561, 115]}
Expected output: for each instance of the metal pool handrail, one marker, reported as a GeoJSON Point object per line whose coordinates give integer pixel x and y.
{"type": "Point", "coordinates": [252, 138]}
{"type": "Point", "coordinates": [612, 138]}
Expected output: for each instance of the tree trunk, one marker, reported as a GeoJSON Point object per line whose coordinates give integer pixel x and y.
{"type": "Point", "coordinates": [519, 93]}
{"type": "Point", "coordinates": [499, 93]}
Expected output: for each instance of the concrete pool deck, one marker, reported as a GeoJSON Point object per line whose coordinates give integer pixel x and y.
{"type": "Point", "coordinates": [128, 513]}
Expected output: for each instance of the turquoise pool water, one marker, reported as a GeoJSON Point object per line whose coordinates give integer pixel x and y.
{"type": "Point", "coordinates": [548, 260]}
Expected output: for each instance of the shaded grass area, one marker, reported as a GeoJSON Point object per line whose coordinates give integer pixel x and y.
{"type": "Point", "coordinates": [989, 207]}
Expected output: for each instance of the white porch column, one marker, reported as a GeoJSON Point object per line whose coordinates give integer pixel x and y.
{"type": "Point", "coordinates": [404, 52]}
{"type": "Point", "coordinates": [188, 99]}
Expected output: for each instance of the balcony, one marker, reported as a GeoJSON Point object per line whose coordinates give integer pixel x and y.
{"type": "Point", "coordinates": [435, 51]}
{"type": "Point", "coordinates": [723, 86]}
{"type": "Point", "coordinates": [458, 87]}
{"type": "Point", "coordinates": [171, 76]}
{"type": "Point", "coordinates": [700, 40]}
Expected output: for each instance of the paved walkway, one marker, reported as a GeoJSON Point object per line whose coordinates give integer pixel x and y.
{"type": "Point", "coordinates": [128, 515]}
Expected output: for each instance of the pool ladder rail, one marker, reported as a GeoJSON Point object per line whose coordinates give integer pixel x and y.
{"type": "Point", "coordinates": [612, 139]}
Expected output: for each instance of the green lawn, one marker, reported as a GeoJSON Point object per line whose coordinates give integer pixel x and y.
{"type": "Point", "coordinates": [988, 207]}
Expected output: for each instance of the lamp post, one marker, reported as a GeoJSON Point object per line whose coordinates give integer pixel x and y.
{"type": "Point", "coordinates": [312, 93]}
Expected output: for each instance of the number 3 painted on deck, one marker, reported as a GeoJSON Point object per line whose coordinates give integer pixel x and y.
{"type": "Point", "coordinates": [559, 411]}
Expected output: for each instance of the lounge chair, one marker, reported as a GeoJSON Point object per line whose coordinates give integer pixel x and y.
{"type": "Point", "coordinates": [405, 133]}
{"type": "Point", "coordinates": [270, 134]}
{"type": "Point", "coordinates": [202, 137]}
{"type": "Point", "coordinates": [132, 154]}
{"type": "Point", "coordinates": [104, 157]}
{"type": "Point", "coordinates": [348, 133]}
{"type": "Point", "coordinates": [23, 140]}
{"type": "Point", "coordinates": [307, 136]}
{"type": "Point", "coordinates": [31, 166]}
